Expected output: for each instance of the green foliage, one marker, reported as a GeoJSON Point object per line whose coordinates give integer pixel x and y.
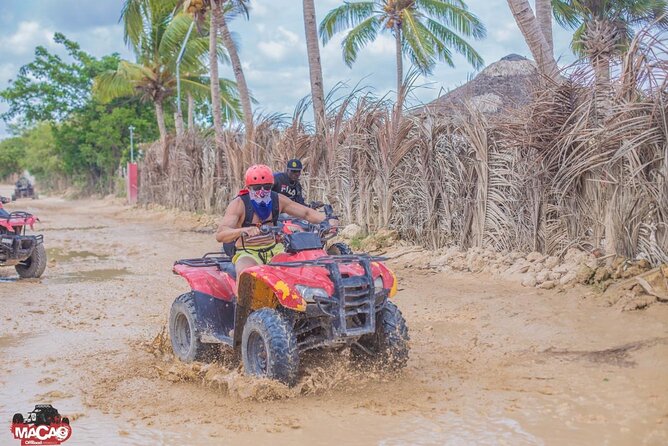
{"type": "Point", "coordinates": [12, 153]}
{"type": "Point", "coordinates": [50, 88]}
{"type": "Point", "coordinates": [156, 34]}
{"type": "Point", "coordinates": [622, 16]}
{"type": "Point", "coordinates": [428, 29]}
{"type": "Point", "coordinates": [66, 133]}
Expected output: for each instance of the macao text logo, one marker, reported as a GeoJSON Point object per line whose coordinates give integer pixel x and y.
{"type": "Point", "coordinates": [40, 427]}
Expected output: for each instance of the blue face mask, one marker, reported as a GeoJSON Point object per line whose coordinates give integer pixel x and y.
{"type": "Point", "coordinates": [261, 204]}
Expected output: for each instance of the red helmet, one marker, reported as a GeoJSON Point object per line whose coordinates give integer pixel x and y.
{"type": "Point", "coordinates": [259, 174]}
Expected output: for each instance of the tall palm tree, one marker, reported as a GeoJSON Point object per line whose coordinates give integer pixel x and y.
{"type": "Point", "coordinates": [315, 68]}
{"type": "Point", "coordinates": [604, 28]}
{"type": "Point", "coordinates": [544, 17]}
{"type": "Point", "coordinates": [155, 35]}
{"type": "Point", "coordinates": [220, 12]}
{"type": "Point", "coordinates": [424, 30]}
{"type": "Point", "coordinates": [535, 37]}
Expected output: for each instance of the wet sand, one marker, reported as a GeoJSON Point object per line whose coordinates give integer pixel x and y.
{"type": "Point", "coordinates": [491, 362]}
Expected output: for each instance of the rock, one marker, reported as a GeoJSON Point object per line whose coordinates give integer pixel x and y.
{"type": "Point", "coordinates": [554, 275]}
{"type": "Point", "coordinates": [534, 256]}
{"type": "Point", "coordinates": [584, 274]}
{"type": "Point", "coordinates": [602, 273]}
{"type": "Point", "coordinates": [591, 262]}
{"type": "Point", "coordinates": [529, 280]}
{"type": "Point", "coordinates": [568, 278]}
{"type": "Point", "coordinates": [537, 267]}
{"type": "Point", "coordinates": [563, 268]}
{"type": "Point", "coordinates": [351, 231]}
{"type": "Point", "coordinates": [476, 264]}
{"type": "Point", "coordinates": [551, 262]}
{"type": "Point", "coordinates": [631, 271]}
{"type": "Point", "coordinates": [542, 276]}
{"type": "Point", "coordinates": [548, 285]}
{"type": "Point", "coordinates": [574, 255]}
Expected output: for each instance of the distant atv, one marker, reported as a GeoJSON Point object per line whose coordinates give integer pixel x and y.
{"type": "Point", "coordinates": [24, 189]}
{"type": "Point", "coordinates": [303, 299]}
{"type": "Point", "coordinates": [43, 414]}
{"type": "Point", "coordinates": [25, 252]}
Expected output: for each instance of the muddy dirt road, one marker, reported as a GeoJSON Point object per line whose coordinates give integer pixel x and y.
{"type": "Point", "coordinates": [491, 362]}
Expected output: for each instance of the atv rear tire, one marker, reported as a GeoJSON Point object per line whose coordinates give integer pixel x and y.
{"type": "Point", "coordinates": [183, 332]}
{"type": "Point", "coordinates": [269, 347]}
{"type": "Point", "coordinates": [34, 266]}
{"type": "Point", "coordinates": [17, 418]}
{"type": "Point", "coordinates": [388, 347]}
{"type": "Point", "coordinates": [339, 249]}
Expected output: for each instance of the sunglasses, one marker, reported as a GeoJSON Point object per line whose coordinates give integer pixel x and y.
{"type": "Point", "coordinates": [258, 187]}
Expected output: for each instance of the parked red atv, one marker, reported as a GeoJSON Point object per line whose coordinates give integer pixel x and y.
{"type": "Point", "coordinates": [25, 252]}
{"type": "Point", "coordinates": [303, 299]}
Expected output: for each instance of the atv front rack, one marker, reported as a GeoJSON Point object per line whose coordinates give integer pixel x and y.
{"type": "Point", "coordinates": [352, 307]}
{"type": "Point", "coordinates": [207, 260]}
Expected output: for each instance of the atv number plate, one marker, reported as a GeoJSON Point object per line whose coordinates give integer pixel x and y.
{"type": "Point", "coordinates": [7, 241]}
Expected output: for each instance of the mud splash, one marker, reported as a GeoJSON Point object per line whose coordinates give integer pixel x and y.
{"type": "Point", "coordinates": [321, 373]}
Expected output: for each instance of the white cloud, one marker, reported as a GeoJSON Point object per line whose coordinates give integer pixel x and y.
{"type": "Point", "coordinates": [290, 37]}
{"type": "Point", "coordinates": [384, 44]}
{"type": "Point", "coordinates": [27, 36]}
{"type": "Point", "coordinates": [273, 50]}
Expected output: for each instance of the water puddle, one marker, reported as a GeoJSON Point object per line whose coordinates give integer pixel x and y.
{"type": "Point", "coordinates": [95, 275]}
{"type": "Point", "coordinates": [62, 255]}
{"type": "Point", "coordinates": [453, 430]}
{"type": "Point", "coordinates": [73, 228]}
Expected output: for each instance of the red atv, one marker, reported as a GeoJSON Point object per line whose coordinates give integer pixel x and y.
{"type": "Point", "coordinates": [25, 252]}
{"type": "Point", "coordinates": [303, 299]}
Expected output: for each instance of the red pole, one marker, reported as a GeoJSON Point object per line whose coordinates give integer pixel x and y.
{"type": "Point", "coordinates": [131, 180]}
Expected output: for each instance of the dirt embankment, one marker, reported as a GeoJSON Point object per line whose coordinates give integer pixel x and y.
{"type": "Point", "coordinates": [491, 362]}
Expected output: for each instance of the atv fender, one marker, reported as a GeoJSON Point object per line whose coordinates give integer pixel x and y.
{"type": "Point", "coordinates": [260, 288]}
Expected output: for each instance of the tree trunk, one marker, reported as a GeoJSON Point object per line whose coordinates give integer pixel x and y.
{"type": "Point", "coordinates": [191, 113]}
{"type": "Point", "coordinates": [315, 69]}
{"type": "Point", "coordinates": [602, 86]}
{"type": "Point", "coordinates": [178, 123]}
{"type": "Point", "coordinates": [533, 35]}
{"type": "Point", "coordinates": [160, 117]}
{"type": "Point", "coordinates": [215, 85]}
{"type": "Point", "coordinates": [400, 74]}
{"type": "Point", "coordinates": [244, 94]}
{"type": "Point", "coordinates": [544, 16]}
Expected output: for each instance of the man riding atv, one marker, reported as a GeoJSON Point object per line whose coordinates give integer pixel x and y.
{"type": "Point", "coordinates": [287, 183]}
{"type": "Point", "coordinates": [253, 207]}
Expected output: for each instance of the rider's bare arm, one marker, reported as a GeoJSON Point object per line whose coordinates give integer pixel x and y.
{"type": "Point", "coordinates": [297, 210]}
{"type": "Point", "coordinates": [229, 228]}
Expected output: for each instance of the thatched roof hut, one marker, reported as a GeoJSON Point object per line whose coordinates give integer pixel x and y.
{"type": "Point", "coordinates": [508, 83]}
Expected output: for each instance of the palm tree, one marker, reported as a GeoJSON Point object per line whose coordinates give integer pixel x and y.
{"type": "Point", "coordinates": [155, 36]}
{"type": "Point", "coordinates": [315, 68]}
{"type": "Point", "coordinates": [221, 11]}
{"type": "Point", "coordinates": [544, 17]}
{"type": "Point", "coordinates": [604, 28]}
{"type": "Point", "coordinates": [424, 30]}
{"type": "Point", "coordinates": [535, 36]}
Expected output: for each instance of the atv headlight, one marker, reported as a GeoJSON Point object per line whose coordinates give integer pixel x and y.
{"type": "Point", "coordinates": [310, 293]}
{"type": "Point", "coordinates": [378, 284]}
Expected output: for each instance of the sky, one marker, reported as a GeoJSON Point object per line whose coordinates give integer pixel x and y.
{"type": "Point", "coordinates": [272, 47]}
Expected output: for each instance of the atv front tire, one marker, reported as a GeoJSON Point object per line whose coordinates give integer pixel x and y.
{"type": "Point", "coordinates": [183, 333]}
{"type": "Point", "coordinates": [388, 347]}
{"type": "Point", "coordinates": [34, 266]}
{"type": "Point", "coordinates": [269, 347]}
